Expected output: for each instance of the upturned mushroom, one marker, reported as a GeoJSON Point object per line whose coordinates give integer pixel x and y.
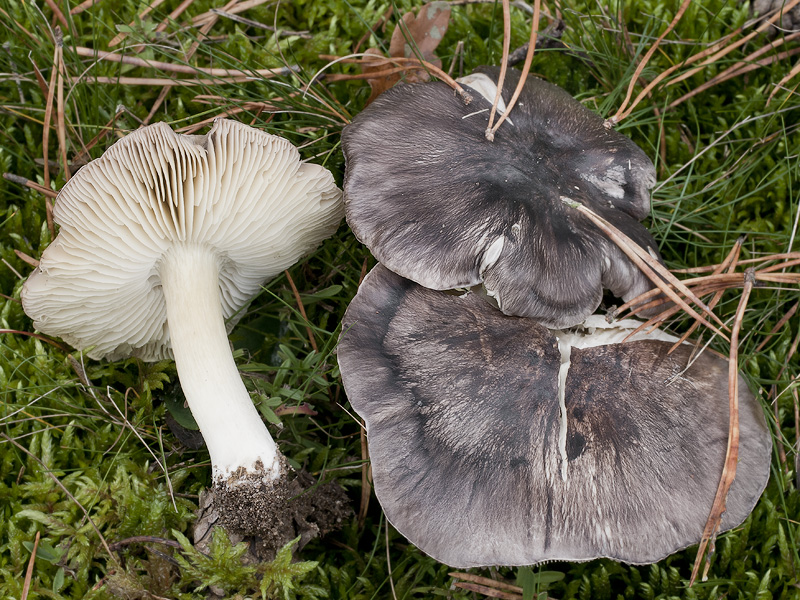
{"type": "Point", "coordinates": [163, 240]}
{"type": "Point", "coordinates": [496, 441]}
{"type": "Point", "coordinates": [437, 203]}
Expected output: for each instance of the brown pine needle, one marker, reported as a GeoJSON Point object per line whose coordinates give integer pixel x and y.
{"type": "Point", "coordinates": [29, 571]}
{"type": "Point", "coordinates": [26, 259]}
{"type": "Point", "coordinates": [501, 79]}
{"type": "Point", "coordinates": [487, 591]}
{"type": "Point", "coordinates": [778, 326]}
{"type": "Point", "coordinates": [730, 74]}
{"type": "Point", "coordinates": [61, 127]}
{"type": "Point", "coordinates": [302, 310]}
{"type": "Point", "coordinates": [526, 68]}
{"type": "Point", "coordinates": [728, 264]}
{"type": "Point", "coordinates": [654, 270]}
{"type": "Point", "coordinates": [57, 13]}
{"type": "Point", "coordinates": [777, 14]}
{"type": "Point", "coordinates": [85, 5]}
{"type": "Point", "coordinates": [732, 453]}
{"type": "Point", "coordinates": [623, 111]}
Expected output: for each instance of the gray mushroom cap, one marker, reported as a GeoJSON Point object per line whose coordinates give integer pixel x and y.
{"type": "Point", "coordinates": [439, 204]}
{"type": "Point", "coordinates": [474, 464]}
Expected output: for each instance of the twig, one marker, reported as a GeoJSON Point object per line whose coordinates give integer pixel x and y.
{"type": "Point", "coordinates": [29, 571]}
{"type": "Point", "coordinates": [66, 491]}
{"type": "Point", "coordinates": [732, 452]}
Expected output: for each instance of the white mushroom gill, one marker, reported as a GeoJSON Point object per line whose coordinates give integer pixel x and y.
{"type": "Point", "coordinates": [594, 331]}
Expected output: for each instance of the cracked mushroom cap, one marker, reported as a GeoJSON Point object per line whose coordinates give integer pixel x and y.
{"type": "Point", "coordinates": [495, 441]}
{"type": "Point", "coordinates": [439, 204]}
{"type": "Point", "coordinates": [238, 191]}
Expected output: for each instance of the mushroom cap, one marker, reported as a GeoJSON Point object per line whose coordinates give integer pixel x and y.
{"type": "Point", "coordinates": [469, 456]}
{"type": "Point", "coordinates": [242, 193]}
{"type": "Point", "coordinates": [439, 204]}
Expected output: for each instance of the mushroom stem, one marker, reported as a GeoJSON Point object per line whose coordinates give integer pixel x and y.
{"type": "Point", "coordinates": [234, 433]}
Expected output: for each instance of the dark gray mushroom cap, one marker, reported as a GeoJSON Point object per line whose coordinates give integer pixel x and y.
{"type": "Point", "coordinates": [439, 204]}
{"type": "Point", "coordinates": [473, 463]}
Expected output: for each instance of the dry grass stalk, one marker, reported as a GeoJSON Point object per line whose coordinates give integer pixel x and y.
{"type": "Point", "coordinates": [711, 54]}
{"type": "Point", "coordinates": [732, 453]}
{"type": "Point", "coordinates": [729, 265]}
{"type": "Point", "coordinates": [26, 586]}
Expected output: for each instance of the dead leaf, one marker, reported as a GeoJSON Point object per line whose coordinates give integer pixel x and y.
{"type": "Point", "coordinates": [416, 36]}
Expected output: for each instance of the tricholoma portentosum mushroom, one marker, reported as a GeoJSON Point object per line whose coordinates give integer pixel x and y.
{"type": "Point", "coordinates": [496, 441]}
{"type": "Point", "coordinates": [439, 204]}
{"type": "Point", "coordinates": [510, 439]}
{"type": "Point", "coordinates": [163, 240]}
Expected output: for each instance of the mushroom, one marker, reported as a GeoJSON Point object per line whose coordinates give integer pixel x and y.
{"type": "Point", "coordinates": [163, 241]}
{"type": "Point", "coordinates": [438, 204]}
{"type": "Point", "coordinates": [496, 441]}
